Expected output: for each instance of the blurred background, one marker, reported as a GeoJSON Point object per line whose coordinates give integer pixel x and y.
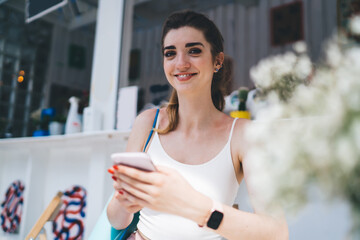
{"type": "Point", "coordinates": [51, 58]}
{"type": "Point", "coordinates": [107, 54]}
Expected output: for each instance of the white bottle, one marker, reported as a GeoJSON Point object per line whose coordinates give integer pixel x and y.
{"type": "Point", "coordinates": [73, 123]}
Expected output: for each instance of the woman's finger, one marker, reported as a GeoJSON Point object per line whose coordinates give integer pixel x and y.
{"type": "Point", "coordinates": [123, 187]}
{"type": "Point", "coordinates": [135, 194]}
{"type": "Point", "coordinates": [139, 175]}
{"type": "Point", "coordinates": [131, 207]}
{"type": "Point", "coordinates": [117, 185]}
{"type": "Point", "coordinates": [134, 201]}
{"type": "Point", "coordinates": [140, 179]}
{"type": "Point", "coordinates": [126, 198]}
{"type": "Point", "coordinates": [133, 182]}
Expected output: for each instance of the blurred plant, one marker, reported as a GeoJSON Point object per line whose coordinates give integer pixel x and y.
{"type": "Point", "coordinates": [59, 118]}
{"type": "Point", "coordinates": [35, 118]}
{"type": "Point", "coordinates": [243, 93]}
{"type": "Point", "coordinates": [313, 138]}
{"type": "Point", "coordinates": [39, 120]}
{"type": "Point", "coordinates": [277, 77]}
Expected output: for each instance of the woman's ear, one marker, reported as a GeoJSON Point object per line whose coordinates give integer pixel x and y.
{"type": "Point", "coordinates": [219, 60]}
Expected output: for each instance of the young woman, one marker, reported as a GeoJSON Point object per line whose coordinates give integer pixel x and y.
{"type": "Point", "coordinates": [198, 150]}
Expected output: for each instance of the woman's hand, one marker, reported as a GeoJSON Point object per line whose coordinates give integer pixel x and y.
{"type": "Point", "coordinates": [120, 196]}
{"type": "Point", "coordinates": [164, 190]}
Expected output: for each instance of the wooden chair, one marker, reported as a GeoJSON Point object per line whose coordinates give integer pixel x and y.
{"type": "Point", "coordinates": [48, 215]}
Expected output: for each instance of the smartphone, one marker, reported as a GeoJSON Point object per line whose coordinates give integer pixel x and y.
{"type": "Point", "coordinates": [139, 160]}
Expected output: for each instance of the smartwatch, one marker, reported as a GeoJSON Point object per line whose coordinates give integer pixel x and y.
{"type": "Point", "coordinates": [215, 216]}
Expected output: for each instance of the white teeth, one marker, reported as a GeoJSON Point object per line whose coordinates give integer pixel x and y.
{"type": "Point", "coordinates": [184, 75]}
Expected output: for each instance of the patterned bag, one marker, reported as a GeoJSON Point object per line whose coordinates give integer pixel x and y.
{"type": "Point", "coordinates": [12, 207]}
{"type": "Point", "coordinates": [69, 223]}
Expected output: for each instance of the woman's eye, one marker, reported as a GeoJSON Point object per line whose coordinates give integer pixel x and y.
{"type": "Point", "coordinates": [195, 51]}
{"type": "Point", "coordinates": [169, 54]}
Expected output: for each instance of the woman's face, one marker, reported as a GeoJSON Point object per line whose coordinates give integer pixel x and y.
{"type": "Point", "coordinates": [188, 63]}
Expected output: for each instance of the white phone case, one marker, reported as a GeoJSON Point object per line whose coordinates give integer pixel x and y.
{"type": "Point", "coordinates": [139, 160]}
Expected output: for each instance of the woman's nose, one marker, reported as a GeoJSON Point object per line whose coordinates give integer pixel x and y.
{"type": "Point", "coordinates": [182, 62]}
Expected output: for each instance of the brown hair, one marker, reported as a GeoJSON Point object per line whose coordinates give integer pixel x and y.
{"type": "Point", "coordinates": [214, 38]}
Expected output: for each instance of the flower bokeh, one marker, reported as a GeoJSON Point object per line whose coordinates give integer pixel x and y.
{"type": "Point", "coordinates": [276, 78]}
{"type": "Point", "coordinates": [312, 138]}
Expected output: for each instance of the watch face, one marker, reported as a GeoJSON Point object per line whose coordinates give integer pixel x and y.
{"type": "Point", "coordinates": [215, 220]}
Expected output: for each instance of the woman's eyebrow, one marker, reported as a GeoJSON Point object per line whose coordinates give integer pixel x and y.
{"type": "Point", "coordinates": [193, 44]}
{"type": "Point", "coordinates": [169, 47]}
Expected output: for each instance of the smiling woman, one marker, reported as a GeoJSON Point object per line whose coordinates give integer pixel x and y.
{"type": "Point", "coordinates": [210, 39]}
{"type": "Point", "coordinates": [199, 152]}
{"type": "Point", "coordinates": [189, 62]}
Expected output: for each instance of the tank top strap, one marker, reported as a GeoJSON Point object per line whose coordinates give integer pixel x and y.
{"type": "Point", "coordinates": [232, 129]}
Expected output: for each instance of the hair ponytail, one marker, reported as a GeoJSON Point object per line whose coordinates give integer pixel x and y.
{"type": "Point", "coordinates": [172, 110]}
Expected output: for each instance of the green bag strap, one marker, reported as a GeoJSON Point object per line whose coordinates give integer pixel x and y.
{"type": "Point", "coordinates": [125, 233]}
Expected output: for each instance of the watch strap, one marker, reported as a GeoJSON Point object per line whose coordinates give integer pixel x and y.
{"type": "Point", "coordinates": [216, 207]}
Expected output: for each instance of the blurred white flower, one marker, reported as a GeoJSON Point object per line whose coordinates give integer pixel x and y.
{"type": "Point", "coordinates": [353, 57]}
{"type": "Point", "coordinates": [262, 73]}
{"type": "Point", "coordinates": [333, 54]}
{"type": "Point", "coordinates": [345, 153]}
{"type": "Point", "coordinates": [312, 138]}
{"type": "Point", "coordinates": [355, 25]}
{"type": "Point", "coordinates": [355, 130]}
{"type": "Point", "coordinates": [303, 67]}
{"type": "Point", "coordinates": [283, 65]}
{"type": "Point", "coordinates": [277, 77]}
{"type": "Point", "coordinates": [353, 101]}
{"type": "Point", "coordinates": [300, 47]}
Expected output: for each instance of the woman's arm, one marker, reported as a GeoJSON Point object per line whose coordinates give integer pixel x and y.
{"type": "Point", "coordinates": [120, 210]}
{"type": "Point", "coordinates": [262, 224]}
{"type": "Point", "coordinates": [244, 225]}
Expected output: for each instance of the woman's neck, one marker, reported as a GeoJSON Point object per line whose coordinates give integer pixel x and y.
{"type": "Point", "coordinates": [196, 112]}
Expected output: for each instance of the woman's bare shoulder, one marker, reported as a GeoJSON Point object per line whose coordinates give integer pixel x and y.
{"type": "Point", "coordinates": [146, 117]}
{"type": "Point", "coordinates": [140, 130]}
{"type": "Point", "coordinates": [239, 141]}
{"type": "Point", "coordinates": [241, 124]}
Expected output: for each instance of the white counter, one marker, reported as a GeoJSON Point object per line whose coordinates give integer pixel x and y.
{"type": "Point", "coordinates": [50, 164]}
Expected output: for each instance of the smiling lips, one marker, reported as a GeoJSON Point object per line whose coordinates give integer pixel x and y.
{"type": "Point", "coordinates": [184, 76]}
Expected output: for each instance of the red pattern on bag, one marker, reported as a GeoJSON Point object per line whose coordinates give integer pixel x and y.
{"type": "Point", "coordinates": [12, 207]}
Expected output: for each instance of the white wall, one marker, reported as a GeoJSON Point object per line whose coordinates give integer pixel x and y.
{"type": "Point", "coordinates": [47, 165]}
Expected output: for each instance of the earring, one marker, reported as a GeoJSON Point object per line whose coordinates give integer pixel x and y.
{"type": "Point", "coordinates": [216, 69]}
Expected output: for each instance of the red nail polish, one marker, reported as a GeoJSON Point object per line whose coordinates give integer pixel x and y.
{"type": "Point", "coordinates": [121, 192]}
{"type": "Point", "coordinates": [116, 167]}
{"type": "Point", "coordinates": [110, 171]}
{"type": "Point", "coordinates": [114, 178]}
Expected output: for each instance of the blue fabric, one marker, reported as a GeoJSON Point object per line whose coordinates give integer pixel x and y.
{"type": "Point", "coordinates": [152, 129]}
{"type": "Point", "coordinates": [103, 228]}
{"type": "Point", "coordinates": [125, 233]}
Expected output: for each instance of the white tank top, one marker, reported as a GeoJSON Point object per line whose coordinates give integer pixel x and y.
{"type": "Point", "coordinates": [215, 178]}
